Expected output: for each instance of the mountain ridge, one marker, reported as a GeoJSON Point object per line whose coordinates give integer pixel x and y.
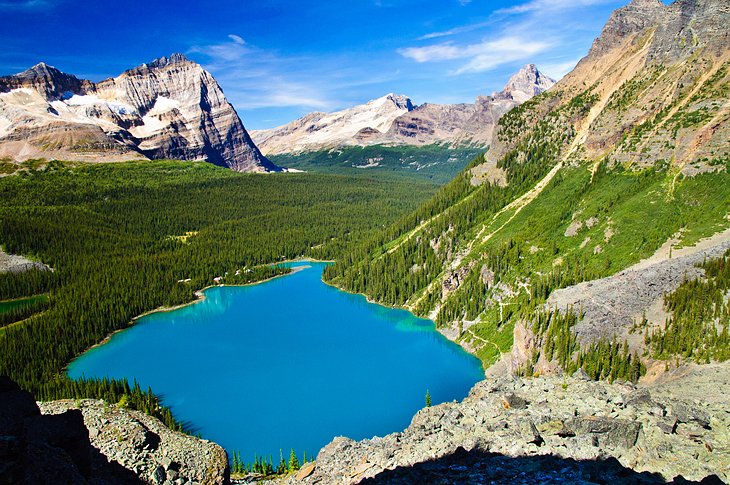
{"type": "Point", "coordinates": [168, 108]}
{"type": "Point", "coordinates": [393, 120]}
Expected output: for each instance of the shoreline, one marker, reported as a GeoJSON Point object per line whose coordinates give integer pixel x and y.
{"type": "Point", "coordinates": [435, 327]}
{"type": "Point", "coordinates": [199, 296]}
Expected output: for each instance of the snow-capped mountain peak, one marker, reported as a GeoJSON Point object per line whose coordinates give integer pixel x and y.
{"type": "Point", "coordinates": [345, 127]}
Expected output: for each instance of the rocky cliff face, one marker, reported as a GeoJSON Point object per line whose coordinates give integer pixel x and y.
{"type": "Point", "coordinates": [551, 430]}
{"type": "Point", "coordinates": [393, 120]}
{"type": "Point", "coordinates": [169, 108]}
{"type": "Point", "coordinates": [653, 87]}
{"type": "Point", "coordinates": [93, 442]}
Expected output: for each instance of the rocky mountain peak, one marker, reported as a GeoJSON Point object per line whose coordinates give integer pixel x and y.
{"type": "Point", "coordinates": [393, 119]}
{"type": "Point", "coordinates": [400, 101]}
{"type": "Point", "coordinates": [526, 83]}
{"type": "Point", "coordinates": [175, 58]}
{"type": "Point", "coordinates": [47, 80]}
{"type": "Point", "coordinates": [168, 108]}
{"type": "Point", "coordinates": [626, 21]}
{"type": "Point", "coordinates": [646, 3]}
{"type": "Point", "coordinates": [40, 68]}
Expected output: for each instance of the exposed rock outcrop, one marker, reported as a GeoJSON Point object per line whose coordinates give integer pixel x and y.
{"type": "Point", "coordinates": [552, 429]}
{"type": "Point", "coordinates": [142, 444]}
{"type": "Point", "coordinates": [49, 449]}
{"type": "Point", "coordinates": [92, 442]}
{"type": "Point", "coordinates": [169, 108]}
{"type": "Point", "coordinates": [14, 263]}
{"type": "Point", "coordinates": [611, 306]}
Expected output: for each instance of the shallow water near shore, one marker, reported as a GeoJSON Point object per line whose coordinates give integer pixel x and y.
{"type": "Point", "coordinates": [286, 364]}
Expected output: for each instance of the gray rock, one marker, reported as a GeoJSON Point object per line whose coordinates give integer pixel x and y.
{"type": "Point", "coordinates": [142, 443]}
{"type": "Point", "coordinates": [581, 375]}
{"type": "Point", "coordinates": [529, 432]}
{"type": "Point", "coordinates": [610, 422]}
{"type": "Point", "coordinates": [159, 476]}
{"type": "Point", "coordinates": [513, 401]}
{"type": "Point", "coordinates": [614, 432]}
{"type": "Point", "coordinates": [668, 426]}
{"type": "Point", "coordinates": [686, 413]}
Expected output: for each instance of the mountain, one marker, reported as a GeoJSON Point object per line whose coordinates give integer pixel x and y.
{"type": "Point", "coordinates": [467, 123]}
{"type": "Point", "coordinates": [393, 120]}
{"type": "Point", "coordinates": [572, 239]}
{"type": "Point", "coordinates": [169, 108]}
{"type": "Point", "coordinates": [354, 126]}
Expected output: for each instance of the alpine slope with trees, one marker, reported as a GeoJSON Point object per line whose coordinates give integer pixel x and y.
{"type": "Point", "coordinates": [625, 156]}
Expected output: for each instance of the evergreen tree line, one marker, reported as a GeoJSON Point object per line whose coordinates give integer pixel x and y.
{"type": "Point", "coordinates": [23, 309]}
{"type": "Point", "coordinates": [27, 283]}
{"type": "Point", "coordinates": [602, 360]}
{"type": "Point", "coordinates": [263, 466]}
{"type": "Point", "coordinates": [114, 391]}
{"type": "Point", "coordinates": [700, 317]}
{"type": "Point", "coordinates": [454, 215]}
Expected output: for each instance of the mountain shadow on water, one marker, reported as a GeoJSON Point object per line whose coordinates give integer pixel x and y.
{"type": "Point", "coordinates": [477, 466]}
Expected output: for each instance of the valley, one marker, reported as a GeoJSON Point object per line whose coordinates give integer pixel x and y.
{"type": "Point", "coordinates": [111, 234]}
{"type": "Point", "coordinates": [434, 163]}
{"type": "Point", "coordinates": [530, 287]}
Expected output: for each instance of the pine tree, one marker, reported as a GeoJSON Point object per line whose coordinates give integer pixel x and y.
{"type": "Point", "coordinates": [293, 461]}
{"type": "Point", "coordinates": [428, 399]}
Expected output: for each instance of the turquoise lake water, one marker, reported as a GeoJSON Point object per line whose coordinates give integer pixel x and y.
{"type": "Point", "coordinates": [289, 363]}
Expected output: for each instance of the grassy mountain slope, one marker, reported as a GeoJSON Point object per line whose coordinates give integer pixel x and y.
{"type": "Point", "coordinates": [626, 152]}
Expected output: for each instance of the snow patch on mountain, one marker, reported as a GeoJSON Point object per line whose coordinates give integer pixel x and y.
{"type": "Point", "coordinates": [335, 129]}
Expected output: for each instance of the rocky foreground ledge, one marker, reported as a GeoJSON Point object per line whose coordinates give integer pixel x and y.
{"type": "Point", "coordinates": [552, 430]}
{"type": "Point", "coordinates": [88, 441]}
{"type": "Point", "coordinates": [142, 444]}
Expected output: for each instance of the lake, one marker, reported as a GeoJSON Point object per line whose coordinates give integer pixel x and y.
{"type": "Point", "coordinates": [286, 364]}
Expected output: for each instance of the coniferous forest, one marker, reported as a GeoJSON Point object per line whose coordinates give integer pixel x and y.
{"type": "Point", "coordinates": [124, 239]}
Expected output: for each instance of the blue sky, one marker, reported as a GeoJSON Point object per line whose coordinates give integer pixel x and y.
{"type": "Point", "coordinates": [279, 59]}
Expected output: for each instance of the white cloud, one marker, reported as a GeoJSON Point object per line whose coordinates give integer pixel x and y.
{"type": "Point", "coordinates": [439, 52]}
{"type": "Point", "coordinates": [533, 7]}
{"type": "Point", "coordinates": [237, 39]}
{"type": "Point", "coordinates": [489, 55]}
{"type": "Point", "coordinates": [482, 56]}
{"type": "Point", "coordinates": [255, 78]}
{"type": "Point", "coordinates": [456, 30]}
{"type": "Point", "coordinates": [548, 5]}
{"type": "Point", "coordinates": [523, 33]}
